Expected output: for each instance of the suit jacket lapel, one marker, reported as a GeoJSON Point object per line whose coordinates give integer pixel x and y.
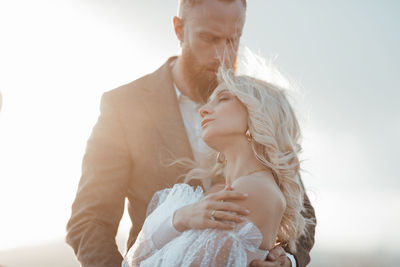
{"type": "Point", "coordinates": [162, 105]}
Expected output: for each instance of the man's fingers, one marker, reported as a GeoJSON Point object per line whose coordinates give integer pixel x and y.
{"type": "Point", "coordinates": [271, 256]}
{"type": "Point", "coordinates": [276, 253]}
{"type": "Point", "coordinates": [282, 260]}
{"type": "Point", "coordinates": [259, 263]}
{"type": "Point", "coordinates": [276, 257]}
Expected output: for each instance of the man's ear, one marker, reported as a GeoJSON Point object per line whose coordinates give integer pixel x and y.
{"type": "Point", "coordinates": [178, 26]}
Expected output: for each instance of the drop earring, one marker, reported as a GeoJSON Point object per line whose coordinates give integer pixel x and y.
{"type": "Point", "coordinates": [220, 158]}
{"type": "Point", "coordinates": [249, 136]}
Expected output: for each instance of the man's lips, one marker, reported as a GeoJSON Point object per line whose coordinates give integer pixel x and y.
{"type": "Point", "coordinates": [215, 70]}
{"type": "Point", "coordinates": [203, 122]}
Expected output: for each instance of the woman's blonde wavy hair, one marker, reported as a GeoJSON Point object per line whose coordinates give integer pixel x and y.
{"type": "Point", "coordinates": [276, 133]}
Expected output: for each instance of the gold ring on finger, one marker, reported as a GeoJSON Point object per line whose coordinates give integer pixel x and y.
{"type": "Point", "coordinates": [212, 215]}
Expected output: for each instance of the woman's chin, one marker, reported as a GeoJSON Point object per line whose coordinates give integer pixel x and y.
{"type": "Point", "coordinates": [208, 140]}
{"type": "Point", "coordinates": [212, 144]}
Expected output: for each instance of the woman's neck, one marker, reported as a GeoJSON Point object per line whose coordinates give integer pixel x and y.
{"type": "Point", "coordinates": [240, 161]}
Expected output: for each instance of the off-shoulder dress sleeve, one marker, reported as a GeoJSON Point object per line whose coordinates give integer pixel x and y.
{"type": "Point", "coordinates": [211, 247]}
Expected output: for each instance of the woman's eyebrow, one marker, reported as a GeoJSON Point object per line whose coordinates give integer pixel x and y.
{"type": "Point", "coordinates": [221, 92]}
{"type": "Point", "coordinates": [216, 94]}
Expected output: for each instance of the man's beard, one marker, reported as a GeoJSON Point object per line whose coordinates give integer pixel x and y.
{"type": "Point", "coordinates": [201, 81]}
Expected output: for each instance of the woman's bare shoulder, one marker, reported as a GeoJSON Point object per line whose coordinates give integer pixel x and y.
{"type": "Point", "coordinates": [265, 200]}
{"type": "Point", "coordinates": [260, 187]}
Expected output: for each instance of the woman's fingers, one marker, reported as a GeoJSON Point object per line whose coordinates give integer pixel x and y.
{"type": "Point", "coordinates": [228, 187]}
{"type": "Point", "coordinates": [227, 216]}
{"type": "Point", "coordinates": [228, 206]}
{"type": "Point", "coordinates": [214, 212]}
{"type": "Point", "coordinates": [227, 194]}
{"type": "Point", "coordinates": [220, 225]}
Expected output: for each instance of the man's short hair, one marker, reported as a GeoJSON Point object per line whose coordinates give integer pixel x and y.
{"type": "Point", "coordinates": [185, 4]}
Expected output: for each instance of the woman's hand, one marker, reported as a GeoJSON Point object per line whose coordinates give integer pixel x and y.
{"type": "Point", "coordinates": [211, 212]}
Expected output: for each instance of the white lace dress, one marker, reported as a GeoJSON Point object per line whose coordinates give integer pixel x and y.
{"type": "Point", "coordinates": [208, 247]}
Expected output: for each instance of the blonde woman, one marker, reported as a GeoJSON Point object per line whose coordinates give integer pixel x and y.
{"type": "Point", "coordinates": [252, 127]}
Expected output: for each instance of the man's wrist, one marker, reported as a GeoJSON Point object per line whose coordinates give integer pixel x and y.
{"type": "Point", "coordinates": [291, 259]}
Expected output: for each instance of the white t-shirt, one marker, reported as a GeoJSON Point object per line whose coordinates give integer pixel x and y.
{"type": "Point", "coordinates": [192, 121]}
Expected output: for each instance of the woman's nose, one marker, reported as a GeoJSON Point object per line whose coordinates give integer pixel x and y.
{"type": "Point", "coordinates": [204, 110]}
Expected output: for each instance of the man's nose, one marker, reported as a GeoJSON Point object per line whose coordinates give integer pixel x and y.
{"type": "Point", "coordinates": [223, 53]}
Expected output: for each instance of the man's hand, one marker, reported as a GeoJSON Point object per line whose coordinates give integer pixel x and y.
{"type": "Point", "coordinates": [276, 257]}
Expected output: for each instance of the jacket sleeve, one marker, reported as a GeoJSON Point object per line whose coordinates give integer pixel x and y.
{"type": "Point", "coordinates": [99, 202]}
{"type": "Point", "coordinates": [306, 241]}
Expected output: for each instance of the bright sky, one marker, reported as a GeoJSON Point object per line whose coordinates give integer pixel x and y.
{"type": "Point", "coordinates": [58, 57]}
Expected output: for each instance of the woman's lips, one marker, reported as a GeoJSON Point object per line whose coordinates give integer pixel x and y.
{"type": "Point", "coordinates": [204, 122]}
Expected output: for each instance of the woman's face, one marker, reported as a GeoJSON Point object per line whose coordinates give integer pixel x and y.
{"type": "Point", "coordinates": [224, 118]}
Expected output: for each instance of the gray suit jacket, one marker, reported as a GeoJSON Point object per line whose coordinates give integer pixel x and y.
{"type": "Point", "coordinates": [140, 126]}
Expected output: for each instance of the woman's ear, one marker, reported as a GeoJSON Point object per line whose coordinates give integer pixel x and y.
{"type": "Point", "coordinates": [178, 26]}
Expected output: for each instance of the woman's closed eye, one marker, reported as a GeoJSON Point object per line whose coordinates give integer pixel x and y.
{"type": "Point", "coordinates": [223, 97]}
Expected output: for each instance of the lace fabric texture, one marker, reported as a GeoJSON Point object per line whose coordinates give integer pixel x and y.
{"type": "Point", "coordinates": [207, 247]}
